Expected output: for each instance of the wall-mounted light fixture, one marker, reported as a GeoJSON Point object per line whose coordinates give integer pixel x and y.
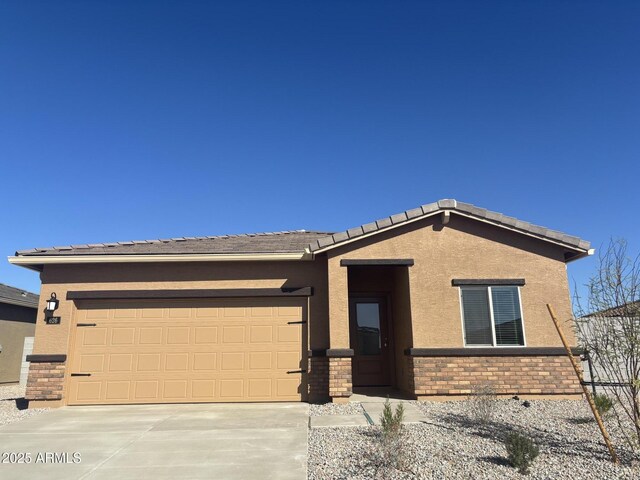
{"type": "Point", "coordinates": [52, 303]}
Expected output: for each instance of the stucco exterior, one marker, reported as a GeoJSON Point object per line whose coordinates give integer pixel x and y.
{"type": "Point", "coordinates": [16, 323]}
{"type": "Point", "coordinates": [463, 248]}
{"type": "Point", "coordinates": [424, 305]}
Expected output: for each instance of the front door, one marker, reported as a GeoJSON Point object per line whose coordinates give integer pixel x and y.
{"type": "Point", "coordinates": [370, 341]}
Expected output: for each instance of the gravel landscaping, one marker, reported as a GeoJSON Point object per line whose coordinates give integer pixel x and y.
{"type": "Point", "coordinates": [354, 408]}
{"type": "Point", "coordinates": [9, 411]}
{"type": "Point", "coordinates": [450, 444]}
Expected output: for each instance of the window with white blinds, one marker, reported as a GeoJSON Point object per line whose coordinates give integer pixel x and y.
{"type": "Point", "coordinates": [492, 316]}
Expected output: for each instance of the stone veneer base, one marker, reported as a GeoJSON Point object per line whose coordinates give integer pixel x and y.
{"type": "Point", "coordinates": [509, 375]}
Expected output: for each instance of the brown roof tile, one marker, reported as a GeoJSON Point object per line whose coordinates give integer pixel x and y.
{"type": "Point", "coordinates": [297, 241]}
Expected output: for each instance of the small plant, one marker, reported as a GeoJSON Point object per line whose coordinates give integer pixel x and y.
{"type": "Point", "coordinates": [482, 402]}
{"type": "Point", "coordinates": [390, 422]}
{"type": "Point", "coordinates": [603, 403]}
{"type": "Point", "coordinates": [521, 451]}
{"type": "Point", "coordinates": [387, 451]}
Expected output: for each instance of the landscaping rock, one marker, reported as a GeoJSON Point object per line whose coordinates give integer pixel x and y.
{"type": "Point", "coordinates": [12, 397]}
{"type": "Point", "coordinates": [354, 408]}
{"type": "Point", "coordinates": [449, 444]}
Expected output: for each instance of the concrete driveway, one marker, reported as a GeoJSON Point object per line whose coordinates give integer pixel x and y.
{"type": "Point", "coordinates": [226, 441]}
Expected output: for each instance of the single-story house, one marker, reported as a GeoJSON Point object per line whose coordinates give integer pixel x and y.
{"type": "Point", "coordinates": [431, 301]}
{"type": "Point", "coordinates": [18, 311]}
{"type": "Point", "coordinates": [607, 362]}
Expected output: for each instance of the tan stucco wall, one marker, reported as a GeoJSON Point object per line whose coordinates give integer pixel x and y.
{"type": "Point", "coordinates": [54, 339]}
{"type": "Point", "coordinates": [402, 326]}
{"type": "Point", "coordinates": [464, 249]}
{"type": "Point", "coordinates": [15, 325]}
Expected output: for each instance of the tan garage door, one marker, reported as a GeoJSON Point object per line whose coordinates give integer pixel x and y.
{"type": "Point", "coordinates": [187, 351]}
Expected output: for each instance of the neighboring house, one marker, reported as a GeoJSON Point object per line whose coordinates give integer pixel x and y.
{"type": "Point", "coordinates": [18, 312]}
{"type": "Point", "coordinates": [430, 301]}
{"type": "Point", "coordinates": [603, 326]}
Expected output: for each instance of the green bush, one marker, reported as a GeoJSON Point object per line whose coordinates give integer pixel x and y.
{"type": "Point", "coordinates": [603, 403]}
{"type": "Point", "coordinates": [521, 450]}
{"type": "Point", "coordinates": [390, 422]}
{"type": "Point", "coordinates": [388, 452]}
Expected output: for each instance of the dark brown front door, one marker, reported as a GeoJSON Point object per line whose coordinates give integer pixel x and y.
{"type": "Point", "coordinates": [370, 341]}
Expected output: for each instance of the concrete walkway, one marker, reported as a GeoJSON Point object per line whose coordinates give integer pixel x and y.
{"type": "Point", "coordinates": [372, 410]}
{"type": "Point", "coordinates": [229, 441]}
{"type": "Point", "coordinates": [411, 412]}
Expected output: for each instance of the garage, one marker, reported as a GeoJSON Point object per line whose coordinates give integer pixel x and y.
{"type": "Point", "coordinates": [187, 351]}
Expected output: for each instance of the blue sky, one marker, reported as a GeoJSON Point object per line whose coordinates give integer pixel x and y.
{"type": "Point", "coordinates": [137, 120]}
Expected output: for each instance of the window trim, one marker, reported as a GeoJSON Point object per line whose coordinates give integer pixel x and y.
{"type": "Point", "coordinates": [487, 289]}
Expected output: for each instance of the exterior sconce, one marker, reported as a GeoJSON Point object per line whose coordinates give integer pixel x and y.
{"type": "Point", "coordinates": [52, 303]}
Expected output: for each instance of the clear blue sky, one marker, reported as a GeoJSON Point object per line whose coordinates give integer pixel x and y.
{"type": "Point", "coordinates": [137, 120]}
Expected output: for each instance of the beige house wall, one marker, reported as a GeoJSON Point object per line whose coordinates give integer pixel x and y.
{"type": "Point", "coordinates": [402, 327]}
{"type": "Point", "coordinates": [16, 323]}
{"type": "Point", "coordinates": [462, 249]}
{"type": "Point", "coordinates": [425, 306]}
{"type": "Point", "coordinates": [54, 339]}
{"type": "Point", "coordinates": [338, 304]}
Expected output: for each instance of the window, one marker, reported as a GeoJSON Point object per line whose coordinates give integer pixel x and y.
{"type": "Point", "coordinates": [492, 316]}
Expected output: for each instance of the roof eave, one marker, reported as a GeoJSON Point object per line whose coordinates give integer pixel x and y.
{"type": "Point", "coordinates": [36, 262]}
{"type": "Point", "coordinates": [580, 252]}
{"type": "Point", "coordinates": [19, 303]}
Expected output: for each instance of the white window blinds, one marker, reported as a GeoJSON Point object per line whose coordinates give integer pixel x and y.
{"type": "Point", "coordinates": [477, 319]}
{"type": "Point", "coordinates": [506, 315]}
{"type": "Point", "coordinates": [492, 316]}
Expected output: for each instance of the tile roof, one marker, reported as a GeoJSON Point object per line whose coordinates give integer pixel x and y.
{"type": "Point", "coordinates": [628, 309]}
{"type": "Point", "coordinates": [299, 241]}
{"type": "Point", "coordinates": [292, 241]}
{"type": "Point", "coordinates": [453, 206]}
{"type": "Point", "coordinates": [16, 296]}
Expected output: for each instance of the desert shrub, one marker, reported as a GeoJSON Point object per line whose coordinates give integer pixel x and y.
{"type": "Point", "coordinates": [391, 422]}
{"type": "Point", "coordinates": [387, 451]}
{"type": "Point", "coordinates": [603, 402]}
{"type": "Point", "coordinates": [521, 451]}
{"type": "Point", "coordinates": [482, 402]}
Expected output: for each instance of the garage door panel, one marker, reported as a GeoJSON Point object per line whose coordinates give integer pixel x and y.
{"type": "Point", "coordinates": [231, 389]}
{"type": "Point", "coordinates": [260, 360]}
{"type": "Point", "coordinates": [288, 334]}
{"type": "Point", "coordinates": [203, 389]}
{"type": "Point", "coordinates": [204, 361]}
{"type": "Point", "coordinates": [287, 387]}
{"type": "Point", "coordinates": [208, 351]}
{"type": "Point", "coordinates": [206, 335]}
{"type": "Point", "coordinates": [288, 360]}
{"type": "Point", "coordinates": [178, 335]}
{"type": "Point", "coordinates": [123, 336]}
{"type": "Point", "coordinates": [117, 390]}
{"type": "Point", "coordinates": [233, 334]}
{"type": "Point", "coordinates": [148, 362]}
{"type": "Point", "coordinates": [146, 390]}
{"type": "Point", "coordinates": [125, 313]}
{"type": "Point", "coordinates": [120, 362]}
{"type": "Point", "coordinates": [87, 392]}
{"type": "Point", "coordinates": [175, 389]}
{"type": "Point", "coordinates": [93, 336]}
{"type": "Point", "coordinates": [261, 334]}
